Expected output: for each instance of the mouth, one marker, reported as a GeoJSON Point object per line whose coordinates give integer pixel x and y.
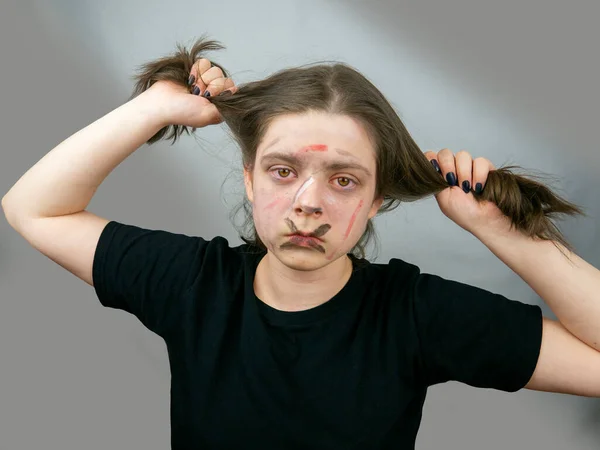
{"type": "Point", "coordinates": [301, 236]}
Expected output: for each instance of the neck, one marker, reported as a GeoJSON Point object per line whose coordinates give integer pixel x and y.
{"type": "Point", "coordinates": [287, 289]}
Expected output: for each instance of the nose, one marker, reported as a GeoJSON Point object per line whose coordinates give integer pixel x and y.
{"type": "Point", "coordinates": [308, 198]}
{"type": "Point", "coordinates": [309, 210]}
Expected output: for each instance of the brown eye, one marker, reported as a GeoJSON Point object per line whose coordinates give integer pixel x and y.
{"type": "Point", "coordinates": [344, 181]}
{"type": "Point", "coordinates": [283, 173]}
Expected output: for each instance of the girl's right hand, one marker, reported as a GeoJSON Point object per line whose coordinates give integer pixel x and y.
{"type": "Point", "coordinates": [193, 109]}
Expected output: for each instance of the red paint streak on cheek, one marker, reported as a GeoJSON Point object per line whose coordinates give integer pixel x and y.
{"type": "Point", "coordinates": [352, 219]}
{"type": "Point", "coordinates": [314, 148]}
{"type": "Point", "coordinates": [273, 203]}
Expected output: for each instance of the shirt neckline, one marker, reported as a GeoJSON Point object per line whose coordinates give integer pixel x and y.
{"type": "Point", "coordinates": [344, 298]}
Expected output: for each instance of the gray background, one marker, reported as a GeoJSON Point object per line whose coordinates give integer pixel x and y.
{"type": "Point", "coordinates": [513, 81]}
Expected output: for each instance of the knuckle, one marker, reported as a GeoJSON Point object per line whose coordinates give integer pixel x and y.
{"type": "Point", "coordinates": [203, 65]}
{"type": "Point", "coordinates": [218, 82]}
{"type": "Point", "coordinates": [445, 155]}
{"type": "Point", "coordinates": [217, 71]}
{"type": "Point", "coordinates": [208, 75]}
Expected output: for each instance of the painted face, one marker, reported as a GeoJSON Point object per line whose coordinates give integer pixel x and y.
{"type": "Point", "coordinates": [312, 187]}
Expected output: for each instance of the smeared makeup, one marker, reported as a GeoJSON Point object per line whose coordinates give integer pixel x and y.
{"type": "Point", "coordinates": [273, 203]}
{"type": "Point", "coordinates": [311, 239]}
{"type": "Point", "coordinates": [304, 186]}
{"type": "Point", "coordinates": [330, 199]}
{"type": "Point", "coordinates": [352, 219]}
{"type": "Point", "coordinates": [290, 224]}
{"type": "Point", "coordinates": [314, 148]}
{"type": "Point", "coordinates": [301, 241]}
{"type": "Point", "coordinates": [310, 217]}
{"type": "Point", "coordinates": [320, 231]}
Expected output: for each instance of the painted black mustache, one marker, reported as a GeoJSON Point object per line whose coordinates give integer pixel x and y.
{"type": "Point", "coordinates": [317, 233]}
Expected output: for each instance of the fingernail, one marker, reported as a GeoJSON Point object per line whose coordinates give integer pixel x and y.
{"type": "Point", "coordinates": [466, 186]}
{"type": "Point", "coordinates": [436, 165]}
{"type": "Point", "coordinates": [191, 80]}
{"type": "Point", "coordinates": [206, 94]}
{"type": "Point", "coordinates": [478, 188]}
{"type": "Point", "coordinates": [196, 90]}
{"type": "Point", "coordinates": [451, 179]}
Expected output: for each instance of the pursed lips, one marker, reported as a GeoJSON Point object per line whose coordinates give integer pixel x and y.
{"type": "Point", "coordinates": [304, 239]}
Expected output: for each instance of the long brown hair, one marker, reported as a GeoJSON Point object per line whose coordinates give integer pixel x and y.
{"type": "Point", "coordinates": [403, 172]}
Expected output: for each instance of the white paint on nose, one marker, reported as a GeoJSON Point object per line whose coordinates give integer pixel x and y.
{"type": "Point", "coordinates": [303, 188]}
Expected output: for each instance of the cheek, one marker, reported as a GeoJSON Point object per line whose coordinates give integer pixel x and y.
{"type": "Point", "coordinates": [344, 213]}
{"type": "Point", "coordinates": [349, 219]}
{"type": "Point", "coordinates": [272, 202]}
{"type": "Point", "coordinates": [269, 208]}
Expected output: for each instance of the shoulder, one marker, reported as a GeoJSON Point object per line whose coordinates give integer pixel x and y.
{"type": "Point", "coordinates": [123, 245]}
{"type": "Point", "coordinates": [397, 274]}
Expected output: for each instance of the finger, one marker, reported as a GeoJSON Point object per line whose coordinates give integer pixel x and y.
{"type": "Point", "coordinates": [214, 80]}
{"type": "Point", "coordinates": [230, 85]}
{"type": "Point", "coordinates": [195, 80]}
{"type": "Point", "coordinates": [481, 170]}
{"type": "Point", "coordinates": [432, 158]}
{"type": "Point", "coordinates": [447, 164]}
{"type": "Point", "coordinates": [229, 88]}
{"type": "Point", "coordinates": [430, 155]}
{"type": "Point", "coordinates": [464, 170]}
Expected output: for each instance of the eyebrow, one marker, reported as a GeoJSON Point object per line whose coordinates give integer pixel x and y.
{"type": "Point", "coordinates": [295, 161]}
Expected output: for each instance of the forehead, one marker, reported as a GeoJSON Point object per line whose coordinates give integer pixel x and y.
{"type": "Point", "coordinates": [329, 136]}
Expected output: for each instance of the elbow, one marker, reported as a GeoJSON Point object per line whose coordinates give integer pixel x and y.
{"type": "Point", "coordinates": [9, 212]}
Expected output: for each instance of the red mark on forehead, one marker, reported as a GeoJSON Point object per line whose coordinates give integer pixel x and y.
{"type": "Point", "coordinates": [314, 148]}
{"type": "Point", "coordinates": [352, 219]}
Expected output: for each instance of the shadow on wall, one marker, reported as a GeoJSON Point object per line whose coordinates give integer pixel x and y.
{"type": "Point", "coordinates": [515, 65]}
{"type": "Point", "coordinates": [57, 87]}
{"type": "Point", "coordinates": [535, 60]}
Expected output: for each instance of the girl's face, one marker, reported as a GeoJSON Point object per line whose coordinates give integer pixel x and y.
{"type": "Point", "coordinates": [312, 188]}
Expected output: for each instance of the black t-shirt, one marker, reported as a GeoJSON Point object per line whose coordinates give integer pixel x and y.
{"type": "Point", "coordinates": [351, 373]}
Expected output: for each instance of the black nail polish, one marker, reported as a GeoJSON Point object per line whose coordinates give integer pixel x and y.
{"type": "Point", "coordinates": [451, 179]}
{"type": "Point", "coordinates": [466, 186]}
{"type": "Point", "coordinates": [206, 94]}
{"type": "Point", "coordinates": [436, 165]}
{"type": "Point", "coordinates": [478, 188]}
{"type": "Point", "coordinates": [196, 90]}
{"type": "Point", "coordinates": [191, 80]}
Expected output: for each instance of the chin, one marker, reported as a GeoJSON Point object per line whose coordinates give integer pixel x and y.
{"type": "Point", "coordinates": [304, 259]}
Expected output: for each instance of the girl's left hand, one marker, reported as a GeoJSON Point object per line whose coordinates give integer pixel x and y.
{"type": "Point", "coordinates": [464, 175]}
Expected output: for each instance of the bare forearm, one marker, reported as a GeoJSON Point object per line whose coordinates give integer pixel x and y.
{"type": "Point", "coordinates": [65, 179]}
{"type": "Point", "coordinates": [570, 287]}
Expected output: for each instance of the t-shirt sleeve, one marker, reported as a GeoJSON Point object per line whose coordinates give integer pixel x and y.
{"type": "Point", "coordinates": [145, 272]}
{"type": "Point", "coordinates": [474, 336]}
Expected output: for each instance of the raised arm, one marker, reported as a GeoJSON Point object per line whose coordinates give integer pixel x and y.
{"type": "Point", "coordinates": [47, 204]}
